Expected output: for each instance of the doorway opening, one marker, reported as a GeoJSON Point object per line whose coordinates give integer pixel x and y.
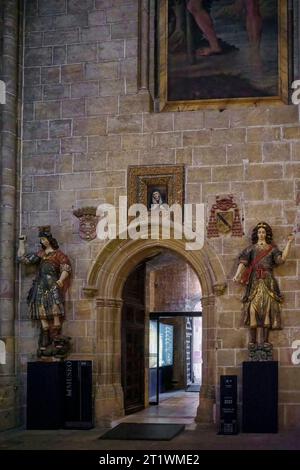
{"type": "Point", "coordinates": [161, 345]}
{"type": "Point", "coordinates": [175, 354]}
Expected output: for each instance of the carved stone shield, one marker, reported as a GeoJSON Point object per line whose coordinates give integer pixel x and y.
{"type": "Point", "coordinates": [224, 218]}
{"type": "Point", "coordinates": [87, 222]}
{"type": "Point", "coordinates": [224, 221]}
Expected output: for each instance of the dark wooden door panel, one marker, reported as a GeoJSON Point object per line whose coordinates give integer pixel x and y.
{"type": "Point", "coordinates": [133, 333]}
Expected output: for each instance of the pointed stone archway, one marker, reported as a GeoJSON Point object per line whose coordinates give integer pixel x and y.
{"type": "Point", "coordinates": [105, 282]}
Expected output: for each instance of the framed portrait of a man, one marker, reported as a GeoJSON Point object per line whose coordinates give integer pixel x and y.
{"type": "Point", "coordinates": [156, 186]}
{"type": "Point", "coordinates": [217, 53]}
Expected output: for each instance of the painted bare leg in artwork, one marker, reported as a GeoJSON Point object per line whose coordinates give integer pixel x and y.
{"type": "Point", "coordinates": [253, 22]}
{"type": "Point", "coordinates": [254, 31]}
{"type": "Point", "coordinates": [205, 23]}
{"type": "Point", "coordinates": [177, 38]}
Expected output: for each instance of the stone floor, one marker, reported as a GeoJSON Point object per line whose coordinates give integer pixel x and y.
{"type": "Point", "coordinates": [174, 408]}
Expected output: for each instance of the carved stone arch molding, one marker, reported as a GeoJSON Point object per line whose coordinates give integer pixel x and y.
{"type": "Point", "coordinates": [105, 282]}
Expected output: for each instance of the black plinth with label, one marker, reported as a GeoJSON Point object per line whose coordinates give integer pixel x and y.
{"type": "Point", "coordinates": [45, 397]}
{"type": "Point", "coordinates": [59, 395]}
{"type": "Point", "coordinates": [78, 395]}
{"type": "Point", "coordinates": [228, 404]}
{"type": "Point", "coordinates": [260, 396]}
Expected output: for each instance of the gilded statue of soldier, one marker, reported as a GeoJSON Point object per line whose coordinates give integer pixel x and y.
{"type": "Point", "coordinates": [46, 297]}
{"type": "Point", "coordinates": [262, 300]}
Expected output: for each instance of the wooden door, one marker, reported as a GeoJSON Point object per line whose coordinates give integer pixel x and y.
{"type": "Point", "coordinates": [133, 337]}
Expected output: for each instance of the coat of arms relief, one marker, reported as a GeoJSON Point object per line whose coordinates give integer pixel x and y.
{"type": "Point", "coordinates": [224, 217]}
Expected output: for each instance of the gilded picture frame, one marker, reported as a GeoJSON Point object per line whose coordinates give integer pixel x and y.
{"type": "Point", "coordinates": [180, 72]}
{"type": "Point", "coordinates": [143, 181]}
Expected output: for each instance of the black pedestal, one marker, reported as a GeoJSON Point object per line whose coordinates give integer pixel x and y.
{"type": "Point", "coordinates": [260, 396]}
{"type": "Point", "coordinates": [45, 398]}
{"type": "Point", "coordinates": [59, 394]}
{"type": "Point", "coordinates": [78, 395]}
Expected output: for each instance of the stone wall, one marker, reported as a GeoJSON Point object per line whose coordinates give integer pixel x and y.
{"type": "Point", "coordinates": [180, 295]}
{"type": "Point", "coordinates": [85, 121]}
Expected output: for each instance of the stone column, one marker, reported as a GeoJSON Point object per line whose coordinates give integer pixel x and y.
{"type": "Point", "coordinates": [207, 397]}
{"type": "Point", "coordinates": [109, 403]}
{"type": "Point", "coordinates": [8, 130]}
{"type": "Point", "coordinates": [143, 45]}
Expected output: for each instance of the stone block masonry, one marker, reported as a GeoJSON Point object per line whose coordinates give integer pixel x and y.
{"type": "Point", "coordinates": [85, 121]}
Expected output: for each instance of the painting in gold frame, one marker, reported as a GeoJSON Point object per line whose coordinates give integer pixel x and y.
{"type": "Point", "coordinates": [244, 71]}
{"type": "Point", "coordinates": [167, 180]}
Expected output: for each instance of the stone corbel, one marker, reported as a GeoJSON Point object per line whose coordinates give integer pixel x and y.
{"type": "Point", "coordinates": [219, 289]}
